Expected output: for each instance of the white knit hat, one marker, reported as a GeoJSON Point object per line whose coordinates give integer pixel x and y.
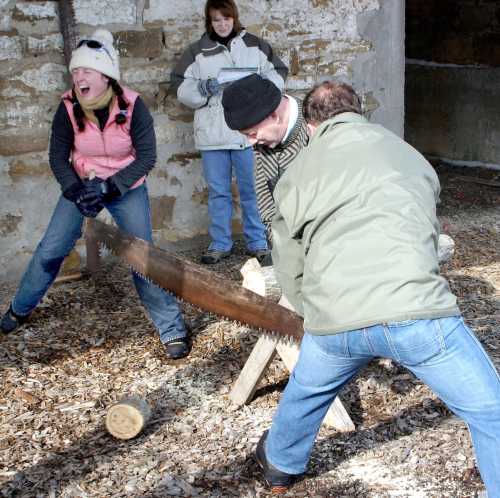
{"type": "Point", "coordinates": [104, 59]}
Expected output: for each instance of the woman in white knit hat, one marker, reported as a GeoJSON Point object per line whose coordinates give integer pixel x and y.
{"type": "Point", "coordinates": [101, 149]}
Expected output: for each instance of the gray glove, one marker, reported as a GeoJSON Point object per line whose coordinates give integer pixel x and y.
{"type": "Point", "coordinates": [209, 87]}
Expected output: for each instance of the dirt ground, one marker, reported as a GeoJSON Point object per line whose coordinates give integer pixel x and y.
{"type": "Point", "coordinates": [88, 344]}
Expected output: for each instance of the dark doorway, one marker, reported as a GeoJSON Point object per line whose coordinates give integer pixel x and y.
{"type": "Point", "coordinates": [452, 90]}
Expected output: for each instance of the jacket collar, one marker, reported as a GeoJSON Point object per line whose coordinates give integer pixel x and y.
{"type": "Point", "coordinates": [329, 124]}
{"type": "Point", "coordinates": [297, 127]}
{"type": "Point", "coordinates": [211, 47]}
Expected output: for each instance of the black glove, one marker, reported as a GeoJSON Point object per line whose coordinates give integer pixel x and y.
{"type": "Point", "coordinates": [110, 189]}
{"type": "Point", "coordinates": [89, 205]}
{"type": "Point", "coordinates": [73, 192]}
{"type": "Point", "coordinates": [103, 190]}
{"type": "Point", "coordinates": [88, 201]}
{"type": "Point", "coordinates": [209, 87]}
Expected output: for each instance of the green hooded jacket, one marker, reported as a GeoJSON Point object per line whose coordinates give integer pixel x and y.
{"type": "Point", "coordinates": [355, 233]}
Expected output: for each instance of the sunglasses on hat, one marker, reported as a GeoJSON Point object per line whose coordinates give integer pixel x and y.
{"type": "Point", "coordinates": [95, 45]}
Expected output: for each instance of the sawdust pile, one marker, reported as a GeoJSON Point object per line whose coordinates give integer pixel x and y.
{"type": "Point", "coordinates": [89, 344]}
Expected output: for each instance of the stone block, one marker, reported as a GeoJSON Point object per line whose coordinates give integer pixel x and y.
{"type": "Point", "coordinates": [164, 129]}
{"type": "Point", "coordinates": [200, 197]}
{"type": "Point", "coordinates": [41, 44]}
{"type": "Point", "coordinates": [186, 12]}
{"type": "Point", "coordinates": [144, 74]}
{"type": "Point", "coordinates": [5, 22]}
{"type": "Point", "coordinates": [36, 11]}
{"type": "Point", "coordinates": [48, 77]}
{"type": "Point", "coordinates": [10, 48]}
{"type": "Point", "coordinates": [143, 44]}
{"type": "Point", "coordinates": [148, 92]}
{"type": "Point", "coordinates": [36, 17]}
{"type": "Point", "coordinates": [177, 39]}
{"type": "Point", "coordinates": [172, 132]}
{"type": "Point", "coordinates": [15, 89]}
{"type": "Point", "coordinates": [21, 169]}
{"type": "Point", "coordinates": [98, 13]}
{"type": "Point", "coordinates": [13, 142]}
{"type": "Point", "coordinates": [174, 110]}
{"type": "Point", "coordinates": [19, 113]}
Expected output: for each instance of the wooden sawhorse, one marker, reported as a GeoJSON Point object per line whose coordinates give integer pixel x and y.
{"type": "Point", "coordinates": [266, 348]}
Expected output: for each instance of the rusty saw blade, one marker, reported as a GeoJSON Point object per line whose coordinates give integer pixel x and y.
{"type": "Point", "coordinates": [195, 284]}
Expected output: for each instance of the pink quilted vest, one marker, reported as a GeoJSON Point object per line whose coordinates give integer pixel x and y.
{"type": "Point", "coordinates": [103, 152]}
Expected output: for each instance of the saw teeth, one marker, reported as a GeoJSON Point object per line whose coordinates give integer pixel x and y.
{"type": "Point", "coordinates": [106, 242]}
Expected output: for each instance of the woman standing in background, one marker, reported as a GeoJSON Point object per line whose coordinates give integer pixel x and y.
{"type": "Point", "coordinates": [225, 44]}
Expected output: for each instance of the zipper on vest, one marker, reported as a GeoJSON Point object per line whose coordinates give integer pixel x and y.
{"type": "Point", "coordinates": [104, 147]}
{"type": "Point", "coordinates": [108, 123]}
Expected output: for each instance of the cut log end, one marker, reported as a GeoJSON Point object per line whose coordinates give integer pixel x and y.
{"type": "Point", "coordinates": [261, 280]}
{"type": "Point", "coordinates": [127, 418]}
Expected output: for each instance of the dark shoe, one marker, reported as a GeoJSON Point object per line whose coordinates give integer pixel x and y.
{"type": "Point", "coordinates": [262, 256]}
{"type": "Point", "coordinates": [212, 257]}
{"type": "Point", "coordinates": [10, 321]}
{"type": "Point", "coordinates": [178, 348]}
{"type": "Point", "coordinates": [278, 481]}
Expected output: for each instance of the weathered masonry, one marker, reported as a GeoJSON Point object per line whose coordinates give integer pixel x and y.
{"type": "Point", "coordinates": [361, 41]}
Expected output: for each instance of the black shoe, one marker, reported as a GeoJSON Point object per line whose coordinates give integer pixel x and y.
{"type": "Point", "coordinates": [212, 257]}
{"type": "Point", "coordinates": [278, 481]}
{"type": "Point", "coordinates": [178, 348]}
{"type": "Point", "coordinates": [262, 256]}
{"type": "Point", "coordinates": [10, 321]}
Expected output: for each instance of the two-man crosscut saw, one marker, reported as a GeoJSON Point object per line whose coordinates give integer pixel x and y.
{"type": "Point", "coordinates": [197, 285]}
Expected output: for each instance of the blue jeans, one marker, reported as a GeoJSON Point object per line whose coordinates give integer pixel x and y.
{"type": "Point", "coordinates": [217, 169]}
{"type": "Point", "coordinates": [443, 353]}
{"type": "Point", "coordinates": [131, 213]}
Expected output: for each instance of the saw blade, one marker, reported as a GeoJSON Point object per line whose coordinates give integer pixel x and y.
{"type": "Point", "coordinates": [195, 284]}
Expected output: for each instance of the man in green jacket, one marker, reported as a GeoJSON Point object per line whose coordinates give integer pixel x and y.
{"type": "Point", "coordinates": [355, 251]}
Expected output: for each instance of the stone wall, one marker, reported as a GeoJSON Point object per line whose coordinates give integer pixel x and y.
{"type": "Point", "coordinates": [361, 42]}
{"type": "Point", "coordinates": [452, 91]}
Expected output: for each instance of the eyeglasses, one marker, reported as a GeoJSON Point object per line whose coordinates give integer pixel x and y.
{"type": "Point", "coordinates": [95, 45]}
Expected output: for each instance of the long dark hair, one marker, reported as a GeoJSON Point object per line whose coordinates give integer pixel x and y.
{"type": "Point", "coordinates": [121, 117]}
{"type": "Point", "coordinates": [227, 8]}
